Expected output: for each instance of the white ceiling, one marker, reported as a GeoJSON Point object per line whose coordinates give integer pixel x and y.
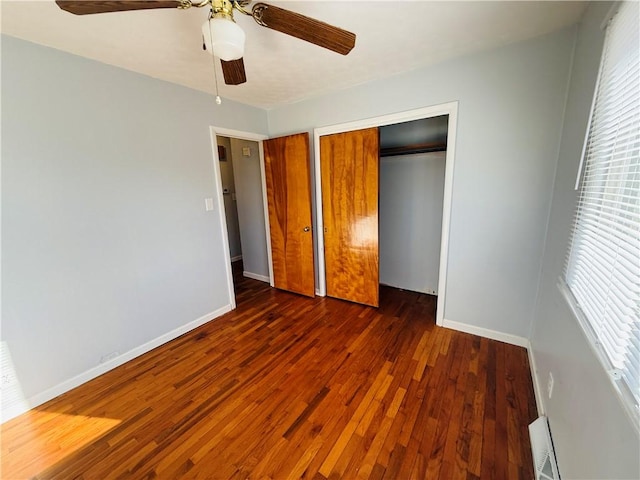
{"type": "Point", "coordinates": [392, 37]}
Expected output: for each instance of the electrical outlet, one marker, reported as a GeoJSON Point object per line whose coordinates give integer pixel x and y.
{"type": "Point", "coordinates": [8, 379]}
{"type": "Point", "coordinates": [109, 356]}
{"type": "Point", "coordinates": [550, 385]}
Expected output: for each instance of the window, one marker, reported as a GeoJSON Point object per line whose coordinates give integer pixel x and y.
{"type": "Point", "coordinates": [602, 271]}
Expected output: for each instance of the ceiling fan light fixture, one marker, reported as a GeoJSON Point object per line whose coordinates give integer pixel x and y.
{"type": "Point", "coordinates": [223, 37]}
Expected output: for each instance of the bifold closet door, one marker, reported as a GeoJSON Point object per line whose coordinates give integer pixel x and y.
{"type": "Point", "coordinates": [288, 182]}
{"type": "Point", "coordinates": [349, 165]}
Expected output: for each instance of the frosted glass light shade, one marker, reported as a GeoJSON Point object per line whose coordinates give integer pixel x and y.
{"type": "Point", "coordinates": [228, 38]}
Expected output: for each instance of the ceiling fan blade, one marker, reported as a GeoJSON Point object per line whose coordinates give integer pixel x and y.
{"type": "Point", "coordinates": [85, 7]}
{"type": "Point", "coordinates": [233, 71]}
{"type": "Point", "coordinates": [304, 28]}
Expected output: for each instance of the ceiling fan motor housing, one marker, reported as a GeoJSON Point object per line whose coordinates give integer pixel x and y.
{"type": "Point", "coordinates": [222, 6]}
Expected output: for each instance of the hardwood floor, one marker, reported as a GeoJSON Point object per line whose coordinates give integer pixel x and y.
{"type": "Point", "coordinates": [291, 387]}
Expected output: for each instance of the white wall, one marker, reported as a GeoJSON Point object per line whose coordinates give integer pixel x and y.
{"type": "Point", "coordinates": [248, 180]}
{"type": "Point", "coordinates": [411, 197]}
{"type": "Point", "coordinates": [230, 207]}
{"type": "Point", "coordinates": [106, 244]}
{"type": "Point", "coordinates": [509, 121]}
{"type": "Point", "coordinates": [593, 436]}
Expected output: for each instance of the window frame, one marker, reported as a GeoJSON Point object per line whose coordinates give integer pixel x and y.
{"type": "Point", "coordinates": [623, 390]}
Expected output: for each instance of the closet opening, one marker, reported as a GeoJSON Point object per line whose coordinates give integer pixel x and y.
{"type": "Point", "coordinates": [411, 197]}
{"type": "Point", "coordinates": [348, 167]}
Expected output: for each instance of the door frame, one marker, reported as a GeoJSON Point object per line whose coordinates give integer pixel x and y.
{"type": "Point", "coordinates": [217, 178]}
{"type": "Point", "coordinates": [451, 109]}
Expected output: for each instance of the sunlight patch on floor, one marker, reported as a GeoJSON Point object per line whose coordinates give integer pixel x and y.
{"type": "Point", "coordinates": [48, 437]}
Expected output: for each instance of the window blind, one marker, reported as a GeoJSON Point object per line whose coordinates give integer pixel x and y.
{"type": "Point", "coordinates": [603, 264]}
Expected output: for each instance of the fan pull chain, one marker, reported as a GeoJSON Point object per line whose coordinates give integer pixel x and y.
{"type": "Point", "coordinates": [213, 62]}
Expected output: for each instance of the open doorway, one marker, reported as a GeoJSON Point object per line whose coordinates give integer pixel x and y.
{"type": "Point", "coordinates": [243, 217]}
{"type": "Point", "coordinates": [242, 192]}
{"type": "Point", "coordinates": [230, 200]}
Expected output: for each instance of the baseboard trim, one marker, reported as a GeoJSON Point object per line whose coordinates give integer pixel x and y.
{"type": "Point", "coordinates": [256, 276]}
{"type": "Point", "coordinates": [537, 390]}
{"type": "Point", "coordinates": [236, 258]}
{"type": "Point", "coordinates": [92, 373]}
{"type": "Point", "coordinates": [487, 333]}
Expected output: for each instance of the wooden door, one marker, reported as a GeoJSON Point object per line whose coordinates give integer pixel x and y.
{"type": "Point", "coordinates": [289, 197]}
{"type": "Point", "coordinates": [350, 166]}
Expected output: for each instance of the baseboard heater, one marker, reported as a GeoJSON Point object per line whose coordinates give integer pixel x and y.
{"type": "Point", "coordinates": [544, 457]}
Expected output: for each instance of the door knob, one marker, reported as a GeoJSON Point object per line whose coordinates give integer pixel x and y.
{"type": "Point", "coordinates": [306, 229]}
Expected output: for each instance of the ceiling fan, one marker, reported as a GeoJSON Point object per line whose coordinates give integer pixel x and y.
{"type": "Point", "coordinates": [222, 36]}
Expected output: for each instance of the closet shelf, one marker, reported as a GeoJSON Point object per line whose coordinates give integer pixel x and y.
{"type": "Point", "coordinates": [415, 148]}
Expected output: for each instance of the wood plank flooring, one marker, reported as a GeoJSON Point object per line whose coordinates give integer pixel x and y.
{"type": "Point", "coordinates": [291, 387]}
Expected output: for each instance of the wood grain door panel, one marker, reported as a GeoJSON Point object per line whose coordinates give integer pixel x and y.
{"type": "Point", "coordinates": [289, 200]}
{"type": "Point", "coordinates": [350, 175]}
